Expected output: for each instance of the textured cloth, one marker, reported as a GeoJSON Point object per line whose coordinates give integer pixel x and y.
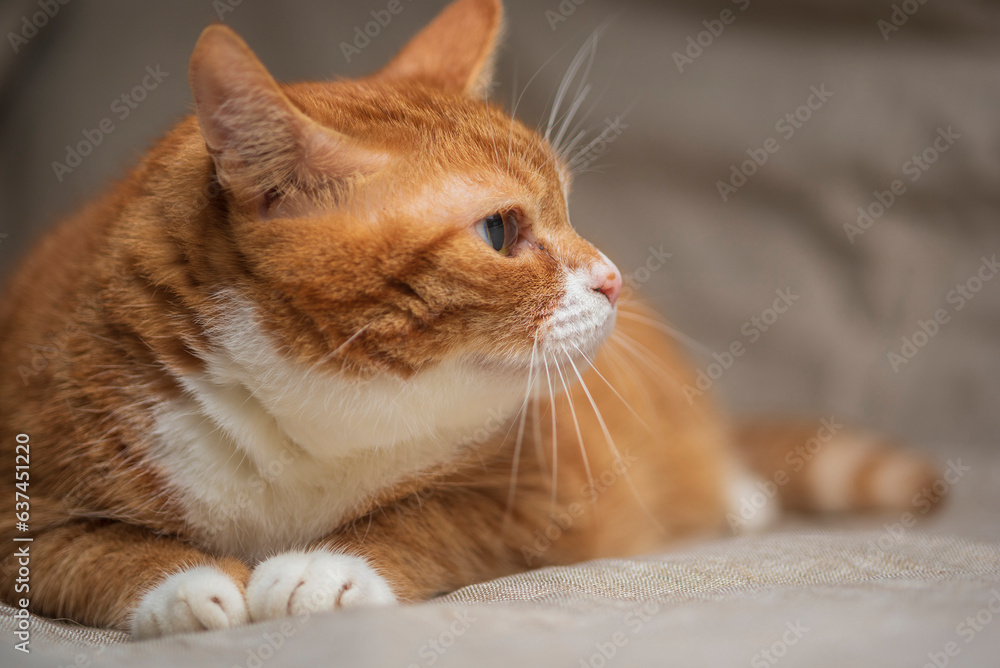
{"type": "Point", "coordinates": [822, 599]}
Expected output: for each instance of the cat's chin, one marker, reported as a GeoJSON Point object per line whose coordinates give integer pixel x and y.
{"type": "Point", "coordinates": [509, 366]}
{"type": "Point", "coordinates": [577, 338]}
{"type": "Point", "coordinates": [576, 347]}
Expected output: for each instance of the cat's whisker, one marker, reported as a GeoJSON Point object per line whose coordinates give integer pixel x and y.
{"type": "Point", "coordinates": [571, 112]}
{"type": "Point", "coordinates": [528, 170]}
{"type": "Point", "coordinates": [667, 329]}
{"type": "Point", "coordinates": [540, 147]}
{"type": "Point", "coordinates": [593, 366]}
{"type": "Point", "coordinates": [520, 433]}
{"type": "Point", "coordinates": [573, 142]}
{"type": "Point", "coordinates": [628, 347]}
{"type": "Point", "coordinates": [644, 357]}
{"type": "Point", "coordinates": [536, 422]}
{"type": "Point", "coordinates": [640, 351]}
{"type": "Point", "coordinates": [578, 132]}
{"type": "Point", "coordinates": [587, 52]}
{"type": "Point", "coordinates": [513, 113]}
{"type": "Point", "coordinates": [589, 170]}
{"type": "Point", "coordinates": [619, 360]}
{"type": "Point", "coordinates": [611, 445]}
{"type": "Point", "coordinates": [576, 423]}
{"type": "Point", "coordinates": [647, 358]}
{"type": "Point", "coordinates": [555, 443]}
{"type": "Point", "coordinates": [353, 337]}
{"type": "Point", "coordinates": [581, 154]}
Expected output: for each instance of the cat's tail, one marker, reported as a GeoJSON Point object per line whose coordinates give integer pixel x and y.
{"type": "Point", "coordinates": [824, 466]}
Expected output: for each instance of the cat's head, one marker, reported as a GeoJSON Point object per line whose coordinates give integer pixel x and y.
{"type": "Point", "coordinates": [393, 223]}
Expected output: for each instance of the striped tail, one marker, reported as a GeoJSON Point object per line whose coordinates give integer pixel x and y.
{"type": "Point", "coordinates": [824, 466]}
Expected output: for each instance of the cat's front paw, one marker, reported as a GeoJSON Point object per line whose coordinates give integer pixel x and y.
{"type": "Point", "coordinates": [194, 600]}
{"type": "Point", "coordinates": [295, 583]}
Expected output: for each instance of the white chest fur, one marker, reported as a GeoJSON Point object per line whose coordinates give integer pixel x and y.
{"type": "Point", "coordinates": [268, 455]}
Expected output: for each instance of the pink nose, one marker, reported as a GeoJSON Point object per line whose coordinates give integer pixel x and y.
{"type": "Point", "coordinates": [607, 279]}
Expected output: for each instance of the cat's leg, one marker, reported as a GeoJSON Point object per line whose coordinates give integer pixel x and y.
{"type": "Point", "coordinates": [426, 544]}
{"type": "Point", "coordinates": [119, 576]}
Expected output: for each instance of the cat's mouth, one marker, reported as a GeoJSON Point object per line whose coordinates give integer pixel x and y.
{"type": "Point", "coordinates": [577, 336]}
{"type": "Point", "coordinates": [580, 324]}
{"type": "Point", "coordinates": [565, 340]}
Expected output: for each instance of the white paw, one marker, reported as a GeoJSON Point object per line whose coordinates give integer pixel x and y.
{"type": "Point", "coordinates": [295, 583]}
{"type": "Point", "coordinates": [753, 503]}
{"type": "Point", "coordinates": [193, 600]}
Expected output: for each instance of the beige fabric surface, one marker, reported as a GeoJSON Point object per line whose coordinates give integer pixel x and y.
{"type": "Point", "coordinates": [741, 568]}
{"type": "Point", "coordinates": [819, 598]}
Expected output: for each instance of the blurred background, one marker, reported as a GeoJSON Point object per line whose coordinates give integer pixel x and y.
{"type": "Point", "coordinates": [841, 98]}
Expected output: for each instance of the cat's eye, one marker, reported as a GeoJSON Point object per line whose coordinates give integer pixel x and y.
{"type": "Point", "coordinates": [499, 231]}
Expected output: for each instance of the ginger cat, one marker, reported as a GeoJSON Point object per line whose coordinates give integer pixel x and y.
{"type": "Point", "coordinates": [336, 344]}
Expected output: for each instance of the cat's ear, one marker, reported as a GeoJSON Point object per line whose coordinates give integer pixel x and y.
{"type": "Point", "coordinates": [263, 146]}
{"type": "Point", "coordinates": [456, 52]}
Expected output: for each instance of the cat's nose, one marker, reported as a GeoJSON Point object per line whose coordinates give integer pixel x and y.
{"type": "Point", "coordinates": [606, 279]}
